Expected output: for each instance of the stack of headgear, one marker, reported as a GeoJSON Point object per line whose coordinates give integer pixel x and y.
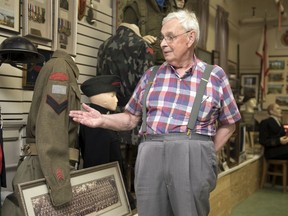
{"type": "Point", "coordinates": [101, 84]}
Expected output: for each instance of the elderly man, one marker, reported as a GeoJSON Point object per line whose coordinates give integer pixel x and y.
{"type": "Point", "coordinates": [176, 168]}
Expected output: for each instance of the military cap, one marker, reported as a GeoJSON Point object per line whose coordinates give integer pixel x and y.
{"type": "Point", "coordinates": [101, 84]}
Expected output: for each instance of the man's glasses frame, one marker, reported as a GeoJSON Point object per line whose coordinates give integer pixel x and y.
{"type": "Point", "coordinates": [171, 38]}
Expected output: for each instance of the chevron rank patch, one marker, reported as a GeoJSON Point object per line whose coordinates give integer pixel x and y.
{"type": "Point", "coordinates": [58, 108]}
{"type": "Point", "coordinates": [59, 174]}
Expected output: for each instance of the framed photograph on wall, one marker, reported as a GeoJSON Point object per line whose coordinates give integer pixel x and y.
{"type": "Point", "coordinates": [98, 190]}
{"type": "Point", "coordinates": [37, 16]}
{"type": "Point", "coordinates": [65, 28]}
{"type": "Point", "coordinates": [250, 83]}
{"type": "Point", "coordinates": [10, 15]}
{"type": "Point", "coordinates": [30, 72]}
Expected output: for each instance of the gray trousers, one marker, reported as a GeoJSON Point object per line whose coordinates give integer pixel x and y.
{"type": "Point", "coordinates": [174, 175]}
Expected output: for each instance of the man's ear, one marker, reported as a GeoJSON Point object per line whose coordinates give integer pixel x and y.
{"type": "Point", "coordinates": [191, 37]}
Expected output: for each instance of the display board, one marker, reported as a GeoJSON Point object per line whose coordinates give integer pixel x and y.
{"type": "Point", "coordinates": [276, 83]}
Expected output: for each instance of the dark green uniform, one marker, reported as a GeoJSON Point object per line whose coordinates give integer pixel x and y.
{"type": "Point", "coordinates": [148, 15]}
{"type": "Point", "coordinates": [51, 133]}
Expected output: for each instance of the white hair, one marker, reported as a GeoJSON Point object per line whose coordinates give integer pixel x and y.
{"type": "Point", "coordinates": [187, 19]}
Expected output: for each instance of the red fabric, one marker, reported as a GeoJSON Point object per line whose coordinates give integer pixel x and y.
{"type": "Point", "coordinates": [262, 52]}
{"type": "Point", "coordinates": [59, 76]}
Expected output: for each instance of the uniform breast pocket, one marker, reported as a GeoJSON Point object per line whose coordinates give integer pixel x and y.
{"type": "Point", "coordinates": [208, 108]}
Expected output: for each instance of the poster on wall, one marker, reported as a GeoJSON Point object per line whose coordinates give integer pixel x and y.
{"type": "Point", "coordinates": [65, 28]}
{"type": "Point", "coordinates": [37, 19]}
{"type": "Point", "coordinates": [10, 15]}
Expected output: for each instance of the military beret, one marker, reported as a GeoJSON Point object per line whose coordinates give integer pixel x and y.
{"type": "Point", "coordinates": [100, 84]}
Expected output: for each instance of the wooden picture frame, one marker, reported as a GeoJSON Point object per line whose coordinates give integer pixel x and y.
{"type": "Point", "coordinates": [65, 26]}
{"type": "Point", "coordinates": [103, 183]}
{"type": "Point", "coordinates": [10, 15]}
{"type": "Point", "coordinates": [30, 72]}
{"type": "Point", "coordinates": [37, 16]}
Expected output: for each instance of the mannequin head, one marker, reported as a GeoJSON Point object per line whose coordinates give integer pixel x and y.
{"type": "Point", "coordinates": [101, 90]}
{"type": "Point", "coordinates": [108, 100]}
{"type": "Point", "coordinates": [274, 110]}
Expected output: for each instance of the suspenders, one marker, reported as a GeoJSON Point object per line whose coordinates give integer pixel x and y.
{"type": "Point", "coordinates": [196, 105]}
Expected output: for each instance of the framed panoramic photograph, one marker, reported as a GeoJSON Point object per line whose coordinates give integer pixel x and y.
{"type": "Point", "coordinates": [37, 16]}
{"type": "Point", "coordinates": [10, 15]}
{"type": "Point", "coordinates": [65, 28]}
{"type": "Point", "coordinates": [96, 190]}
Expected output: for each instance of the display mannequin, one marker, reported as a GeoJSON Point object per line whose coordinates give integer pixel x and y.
{"type": "Point", "coordinates": [126, 55]}
{"type": "Point", "coordinates": [272, 134]}
{"type": "Point", "coordinates": [99, 146]}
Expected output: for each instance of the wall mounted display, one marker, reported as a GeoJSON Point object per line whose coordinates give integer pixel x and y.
{"type": "Point", "coordinates": [276, 82]}
{"type": "Point", "coordinates": [30, 72]}
{"type": "Point", "coordinates": [250, 83]}
{"type": "Point", "coordinates": [10, 15]}
{"type": "Point", "coordinates": [37, 19]}
{"type": "Point", "coordinates": [97, 190]}
{"type": "Point", "coordinates": [65, 26]}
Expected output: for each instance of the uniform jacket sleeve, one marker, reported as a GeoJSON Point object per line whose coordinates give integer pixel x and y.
{"type": "Point", "coordinates": [53, 127]}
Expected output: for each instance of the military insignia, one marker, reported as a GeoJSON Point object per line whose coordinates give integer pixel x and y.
{"type": "Point", "coordinates": [59, 89]}
{"type": "Point", "coordinates": [58, 108]}
{"type": "Point", "coordinates": [150, 50]}
{"type": "Point", "coordinates": [59, 174]}
{"type": "Point", "coordinates": [59, 76]}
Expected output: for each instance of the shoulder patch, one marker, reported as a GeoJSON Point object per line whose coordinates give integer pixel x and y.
{"type": "Point", "coordinates": [150, 50]}
{"type": "Point", "coordinates": [59, 76]}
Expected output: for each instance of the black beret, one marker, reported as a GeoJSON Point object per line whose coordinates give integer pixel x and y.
{"type": "Point", "coordinates": [101, 84]}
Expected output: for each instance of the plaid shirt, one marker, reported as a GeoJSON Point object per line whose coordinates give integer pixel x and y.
{"type": "Point", "coordinates": [170, 100]}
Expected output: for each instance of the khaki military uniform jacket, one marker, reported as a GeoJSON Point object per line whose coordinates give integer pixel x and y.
{"type": "Point", "coordinates": [51, 129]}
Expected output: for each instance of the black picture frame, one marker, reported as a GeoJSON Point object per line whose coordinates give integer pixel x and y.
{"type": "Point", "coordinates": [30, 72]}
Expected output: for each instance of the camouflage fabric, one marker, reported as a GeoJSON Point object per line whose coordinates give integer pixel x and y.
{"type": "Point", "coordinates": [148, 16]}
{"type": "Point", "coordinates": [127, 55]}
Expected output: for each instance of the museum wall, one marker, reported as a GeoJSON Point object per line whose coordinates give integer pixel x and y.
{"type": "Point", "coordinates": [15, 100]}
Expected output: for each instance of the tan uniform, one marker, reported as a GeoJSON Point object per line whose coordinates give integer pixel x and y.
{"type": "Point", "coordinates": [51, 133]}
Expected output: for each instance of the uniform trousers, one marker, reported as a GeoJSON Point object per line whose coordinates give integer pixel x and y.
{"type": "Point", "coordinates": [174, 175]}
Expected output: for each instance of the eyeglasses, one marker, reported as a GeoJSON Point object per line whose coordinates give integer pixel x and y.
{"type": "Point", "coordinates": [171, 38]}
